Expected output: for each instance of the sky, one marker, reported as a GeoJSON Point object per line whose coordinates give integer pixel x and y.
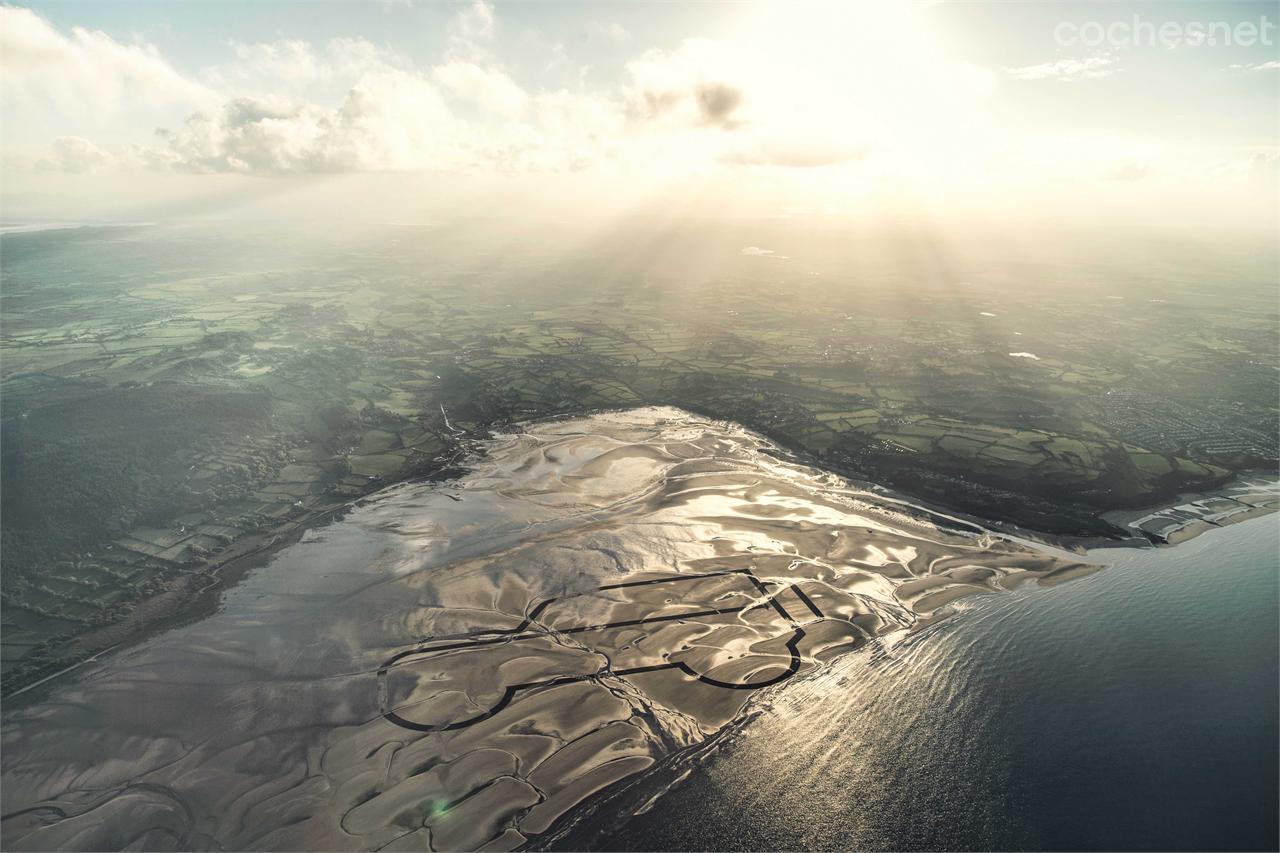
{"type": "Point", "coordinates": [1003, 111]}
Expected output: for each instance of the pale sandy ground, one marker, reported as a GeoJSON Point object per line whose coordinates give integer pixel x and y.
{"type": "Point", "coordinates": [455, 666]}
{"type": "Point", "coordinates": [1248, 497]}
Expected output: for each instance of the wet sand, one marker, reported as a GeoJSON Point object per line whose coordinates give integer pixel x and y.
{"type": "Point", "coordinates": [1247, 497]}
{"type": "Point", "coordinates": [1134, 710]}
{"type": "Point", "coordinates": [459, 665]}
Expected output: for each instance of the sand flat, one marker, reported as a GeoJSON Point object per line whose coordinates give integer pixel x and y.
{"type": "Point", "coordinates": [462, 670]}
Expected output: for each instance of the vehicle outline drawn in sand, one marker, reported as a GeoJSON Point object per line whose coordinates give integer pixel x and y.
{"type": "Point", "coordinates": [530, 628]}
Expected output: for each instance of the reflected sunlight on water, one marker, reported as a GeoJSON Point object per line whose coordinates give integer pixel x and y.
{"type": "Point", "coordinates": [1136, 708]}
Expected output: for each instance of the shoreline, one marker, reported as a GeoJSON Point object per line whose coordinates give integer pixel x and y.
{"type": "Point", "coordinates": [1248, 495]}
{"type": "Point", "coordinates": [1190, 514]}
{"type": "Point", "coordinates": [415, 600]}
{"type": "Point", "coordinates": [177, 605]}
{"type": "Point", "coordinates": [622, 805]}
{"type": "Point", "coordinates": [190, 597]}
{"type": "Point", "coordinates": [194, 596]}
{"type": "Point", "coordinates": [607, 591]}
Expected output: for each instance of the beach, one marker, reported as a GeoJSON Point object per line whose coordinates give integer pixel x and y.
{"type": "Point", "coordinates": [463, 664]}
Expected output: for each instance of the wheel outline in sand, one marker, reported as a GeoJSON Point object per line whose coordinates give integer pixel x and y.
{"type": "Point", "coordinates": [477, 639]}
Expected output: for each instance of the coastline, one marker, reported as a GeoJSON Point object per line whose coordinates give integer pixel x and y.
{"type": "Point", "coordinates": [1248, 495]}
{"type": "Point", "coordinates": [189, 597]}
{"type": "Point", "coordinates": [186, 599]}
{"type": "Point", "coordinates": [671, 499]}
{"type": "Point", "coordinates": [702, 780]}
{"type": "Point", "coordinates": [654, 551]}
{"type": "Point", "coordinates": [195, 595]}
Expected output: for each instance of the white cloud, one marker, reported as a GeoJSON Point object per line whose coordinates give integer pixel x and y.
{"type": "Point", "coordinates": [287, 66]}
{"type": "Point", "coordinates": [85, 71]}
{"type": "Point", "coordinates": [75, 155]}
{"type": "Point", "coordinates": [1269, 65]}
{"type": "Point", "coordinates": [568, 131]}
{"type": "Point", "coordinates": [1264, 168]}
{"type": "Point", "coordinates": [350, 105]}
{"type": "Point", "coordinates": [490, 89]}
{"type": "Point", "coordinates": [471, 31]}
{"type": "Point", "coordinates": [844, 109]}
{"type": "Point", "coordinates": [477, 22]}
{"type": "Point", "coordinates": [1066, 69]}
{"type": "Point", "coordinates": [392, 120]}
{"type": "Point", "coordinates": [398, 120]}
{"type": "Point", "coordinates": [464, 113]}
{"type": "Point", "coordinates": [691, 85]}
{"type": "Point", "coordinates": [287, 60]}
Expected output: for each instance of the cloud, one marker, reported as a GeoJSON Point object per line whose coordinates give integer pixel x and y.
{"type": "Point", "coordinates": [75, 155]}
{"type": "Point", "coordinates": [463, 113]}
{"type": "Point", "coordinates": [453, 117]}
{"type": "Point", "coordinates": [293, 65]}
{"type": "Point", "coordinates": [488, 89]}
{"type": "Point", "coordinates": [85, 71]}
{"type": "Point", "coordinates": [389, 121]}
{"type": "Point", "coordinates": [716, 103]}
{"type": "Point", "coordinates": [1264, 167]}
{"type": "Point", "coordinates": [1269, 65]}
{"type": "Point", "coordinates": [1066, 69]}
{"type": "Point", "coordinates": [288, 59]}
{"type": "Point", "coordinates": [471, 31]}
{"type": "Point", "coordinates": [477, 22]}
{"type": "Point", "coordinates": [684, 87]}
{"type": "Point", "coordinates": [293, 106]}
{"type": "Point", "coordinates": [567, 131]}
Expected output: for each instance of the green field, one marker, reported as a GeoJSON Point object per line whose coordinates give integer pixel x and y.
{"type": "Point", "coordinates": [171, 395]}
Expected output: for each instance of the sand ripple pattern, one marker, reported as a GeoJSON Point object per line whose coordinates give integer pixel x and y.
{"type": "Point", "coordinates": [461, 666]}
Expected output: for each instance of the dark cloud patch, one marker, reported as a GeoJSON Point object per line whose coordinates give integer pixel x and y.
{"type": "Point", "coordinates": [717, 103]}
{"type": "Point", "coordinates": [652, 105]}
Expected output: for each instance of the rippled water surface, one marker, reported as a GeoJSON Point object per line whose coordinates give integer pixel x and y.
{"type": "Point", "coordinates": [1133, 709]}
{"type": "Point", "coordinates": [509, 657]}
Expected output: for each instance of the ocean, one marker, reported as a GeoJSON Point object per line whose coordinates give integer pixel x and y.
{"type": "Point", "coordinates": [646, 630]}
{"type": "Point", "coordinates": [1132, 709]}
